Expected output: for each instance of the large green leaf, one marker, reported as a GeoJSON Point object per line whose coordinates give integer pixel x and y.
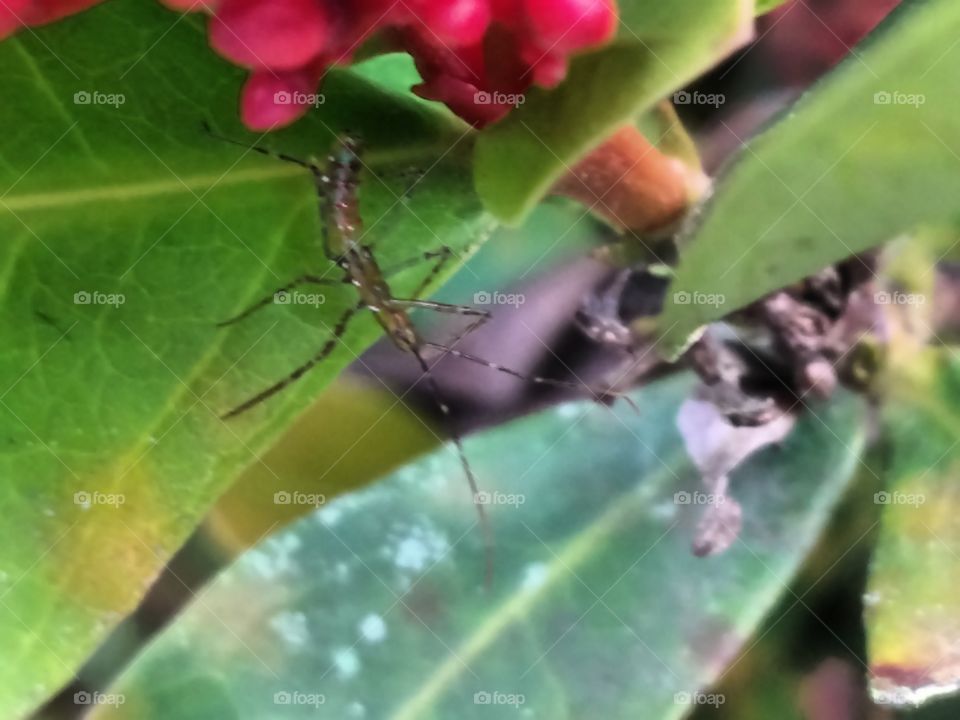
{"type": "Point", "coordinates": [598, 607]}
{"type": "Point", "coordinates": [660, 47]}
{"type": "Point", "coordinates": [871, 152]}
{"type": "Point", "coordinates": [913, 613]}
{"type": "Point", "coordinates": [131, 201]}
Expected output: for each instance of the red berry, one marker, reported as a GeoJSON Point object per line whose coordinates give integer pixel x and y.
{"type": "Point", "coordinates": [11, 15]}
{"type": "Point", "coordinates": [509, 13]}
{"type": "Point", "coordinates": [463, 99]}
{"type": "Point", "coordinates": [457, 22]}
{"type": "Point", "coordinates": [549, 70]}
{"type": "Point", "coordinates": [279, 34]}
{"type": "Point", "coordinates": [570, 25]}
{"type": "Point", "coordinates": [272, 100]}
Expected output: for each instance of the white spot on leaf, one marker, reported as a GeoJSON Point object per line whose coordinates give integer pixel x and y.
{"type": "Point", "coordinates": [292, 627]}
{"type": "Point", "coordinates": [346, 662]}
{"type": "Point", "coordinates": [373, 628]}
{"type": "Point", "coordinates": [420, 549]}
{"type": "Point", "coordinates": [534, 575]}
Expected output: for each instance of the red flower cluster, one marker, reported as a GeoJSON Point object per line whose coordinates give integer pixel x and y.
{"type": "Point", "coordinates": [477, 56]}
{"type": "Point", "coordinates": [483, 74]}
{"type": "Point", "coordinates": [15, 14]}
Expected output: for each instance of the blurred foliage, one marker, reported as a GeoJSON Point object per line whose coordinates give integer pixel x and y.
{"type": "Point", "coordinates": [384, 586]}
{"type": "Point", "coordinates": [351, 435]}
{"type": "Point", "coordinates": [913, 616]}
{"type": "Point", "coordinates": [869, 153]}
{"type": "Point", "coordinates": [370, 597]}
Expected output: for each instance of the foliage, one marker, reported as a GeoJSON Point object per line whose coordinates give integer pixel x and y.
{"type": "Point", "coordinates": [130, 233]}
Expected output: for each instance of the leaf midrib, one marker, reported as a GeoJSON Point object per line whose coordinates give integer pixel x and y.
{"type": "Point", "coordinates": [126, 190]}
{"type": "Point", "coordinates": [139, 190]}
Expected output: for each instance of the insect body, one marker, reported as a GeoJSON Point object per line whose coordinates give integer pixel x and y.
{"type": "Point", "coordinates": [343, 225]}
{"type": "Point", "coordinates": [343, 245]}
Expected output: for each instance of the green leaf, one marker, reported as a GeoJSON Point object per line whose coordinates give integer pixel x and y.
{"type": "Point", "coordinates": [598, 606]}
{"type": "Point", "coordinates": [913, 613]}
{"type": "Point", "coordinates": [316, 459]}
{"type": "Point", "coordinates": [765, 6]}
{"type": "Point", "coordinates": [660, 47]}
{"type": "Point", "coordinates": [131, 203]}
{"type": "Point", "coordinates": [851, 166]}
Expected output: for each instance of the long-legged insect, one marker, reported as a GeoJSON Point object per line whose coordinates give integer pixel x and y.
{"type": "Point", "coordinates": [342, 244]}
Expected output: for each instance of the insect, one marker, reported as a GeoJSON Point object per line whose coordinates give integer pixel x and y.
{"type": "Point", "coordinates": [337, 187]}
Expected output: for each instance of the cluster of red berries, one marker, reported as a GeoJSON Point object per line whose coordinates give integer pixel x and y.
{"type": "Point", "coordinates": [482, 75]}
{"type": "Point", "coordinates": [477, 56]}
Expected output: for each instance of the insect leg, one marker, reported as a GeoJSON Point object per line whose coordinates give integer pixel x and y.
{"type": "Point", "coordinates": [482, 317]}
{"type": "Point", "coordinates": [445, 308]}
{"type": "Point", "coordinates": [434, 272]}
{"type": "Point", "coordinates": [464, 462]}
{"type": "Point", "coordinates": [325, 351]}
{"type": "Point", "coordinates": [443, 253]}
{"type": "Point", "coordinates": [599, 396]}
{"type": "Point", "coordinates": [262, 150]}
{"type": "Point", "coordinates": [263, 302]}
